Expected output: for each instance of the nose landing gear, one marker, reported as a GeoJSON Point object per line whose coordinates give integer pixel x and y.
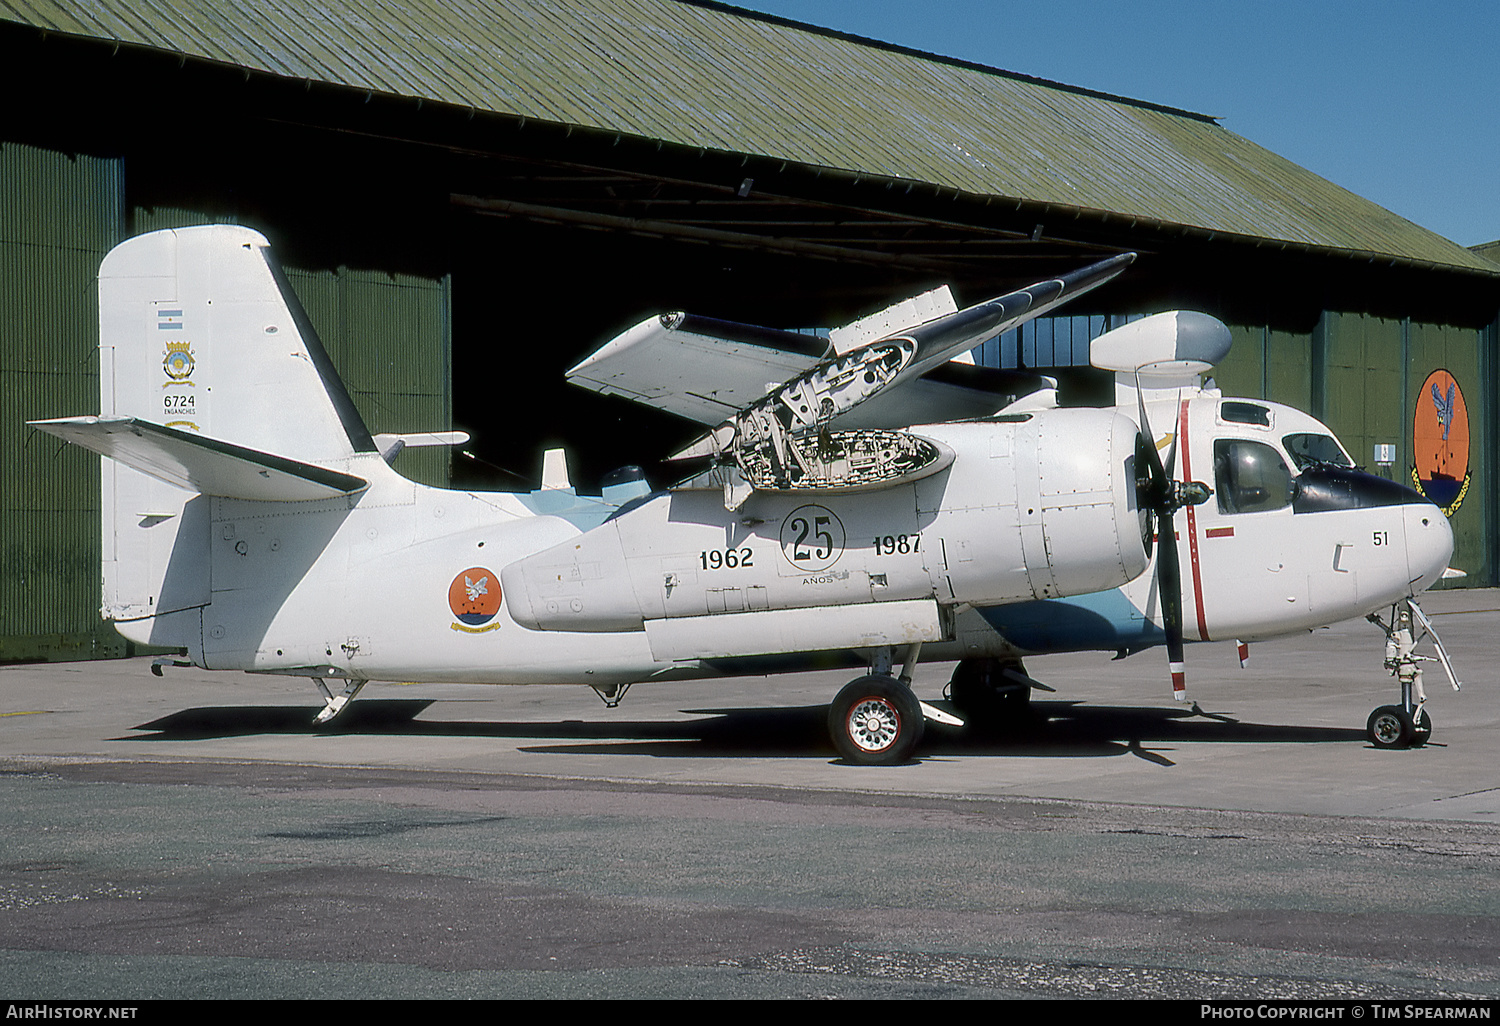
{"type": "Point", "coordinates": [1393, 726]}
{"type": "Point", "coordinates": [1406, 725]}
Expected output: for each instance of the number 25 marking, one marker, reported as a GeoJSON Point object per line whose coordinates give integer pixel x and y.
{"type": "Point", "coordinates": [812, 537]}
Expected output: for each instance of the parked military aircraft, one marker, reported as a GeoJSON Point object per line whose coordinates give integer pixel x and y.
{"type": "Point", "coordinates": [839, 510]}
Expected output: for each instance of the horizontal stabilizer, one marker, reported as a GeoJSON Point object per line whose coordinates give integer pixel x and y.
{"type": "Point", "coordinates": [391, 445]}
{"type": "Point", "coordinates": [199, 464]}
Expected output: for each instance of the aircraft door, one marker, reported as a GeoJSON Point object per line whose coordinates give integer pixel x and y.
{"type": "Point", "coordinates": [1241, 571]}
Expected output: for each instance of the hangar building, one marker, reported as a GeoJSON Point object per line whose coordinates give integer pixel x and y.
{"type": "Point", "coordinates": [471, 195]}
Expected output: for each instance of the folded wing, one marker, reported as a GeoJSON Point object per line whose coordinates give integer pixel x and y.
{"type": "Point", "coordinates": [773, 397]}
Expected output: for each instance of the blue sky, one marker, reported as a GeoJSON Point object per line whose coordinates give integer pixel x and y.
{"type": "Point", "coordinates": [1396, 101]}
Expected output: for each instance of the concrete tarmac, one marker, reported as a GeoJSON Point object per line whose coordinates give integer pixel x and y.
{"type": "Point", "coordinates": [194, 836]}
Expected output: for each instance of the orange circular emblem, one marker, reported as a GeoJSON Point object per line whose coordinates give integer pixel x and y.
{"type": "Point", "coordinates": [1440, 441]}
{"type": "Point", "coordinates": [474, 596]}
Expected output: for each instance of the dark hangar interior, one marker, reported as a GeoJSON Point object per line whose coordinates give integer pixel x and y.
{"type": "Point", "coordinates": [480, 196]}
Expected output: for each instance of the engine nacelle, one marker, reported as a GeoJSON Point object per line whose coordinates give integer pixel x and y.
{"type": "Point", "coordinates": [1035, 505]}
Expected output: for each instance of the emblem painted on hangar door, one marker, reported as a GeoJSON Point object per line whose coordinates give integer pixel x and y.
{"type": "Point", "coordinates": [474, 598]}
{"type": "Point", "coordinates": [1440, 442]}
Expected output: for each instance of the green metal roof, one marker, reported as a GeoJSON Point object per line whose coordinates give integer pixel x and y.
{"type": "Point", "coordinates": [704, 75]}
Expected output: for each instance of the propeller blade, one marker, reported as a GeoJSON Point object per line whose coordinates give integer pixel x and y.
{"type": "Point", "coordinates": [1156, 491]}
{"type": "Point", "coordinates": [1171, 467]}
{"type": "Point", "coordinates": [1169, 580]}
{"type": "Point", "coordinates": [1168, 567]}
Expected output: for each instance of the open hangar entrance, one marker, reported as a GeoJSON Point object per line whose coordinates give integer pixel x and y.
{"type": "Point", "coordinates": [568, 251]}
{"type": "Point", "coordinates": [457, 261]}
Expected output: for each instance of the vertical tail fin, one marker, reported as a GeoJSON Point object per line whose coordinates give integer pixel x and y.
{"type": "Point", "coordinates": [199, 330]}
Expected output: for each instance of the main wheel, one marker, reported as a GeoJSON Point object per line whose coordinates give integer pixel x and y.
{"type": "Point", "coordinates": [1421, 728]}
{"type": "Point", "coordinates": [985, 696]}
{"type": "Point", "coordinates": [1390, 726]}
{"type": "Point", "coordinates": [875, 721]}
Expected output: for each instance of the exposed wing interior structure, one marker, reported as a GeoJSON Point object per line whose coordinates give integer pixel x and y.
{"type": "Point", "coordinates": [774, 397]}
{"type": "Point", "coordinates": [705, 370]}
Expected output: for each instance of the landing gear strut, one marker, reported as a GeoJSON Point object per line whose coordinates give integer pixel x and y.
{"type": "Point", "coordinates": [334, 704]}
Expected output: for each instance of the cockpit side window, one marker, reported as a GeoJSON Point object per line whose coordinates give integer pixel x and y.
{"type": "Point", "coordinates": [1235, 412]}
{"type": "Point", "coordinates": [1309, 450]}
{"type": "Point", "coordinates": [1251, 477]}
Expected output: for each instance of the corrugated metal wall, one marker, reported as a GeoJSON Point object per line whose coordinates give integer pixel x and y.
{"type": "Point", "coordinates": [388, 335]}
{"type": "Point", "coordinates": [1366, 387]}
{"type": "Point", "coordinates": [59, 215]}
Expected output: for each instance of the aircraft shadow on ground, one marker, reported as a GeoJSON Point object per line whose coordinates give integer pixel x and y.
{"type": "Point", "coordinates": [1052, 729]}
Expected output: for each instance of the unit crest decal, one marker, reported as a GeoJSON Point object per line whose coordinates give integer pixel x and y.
{"type": "Point", "coordinates": [178, 363]}
{"type": "Point", "coordinates": [1440, 442]}
{"type": "Point", "coordinates": [474, 598]}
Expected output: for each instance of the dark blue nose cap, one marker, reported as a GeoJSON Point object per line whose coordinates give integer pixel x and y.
{"type": "Point", "coordinates": [1324, 488]}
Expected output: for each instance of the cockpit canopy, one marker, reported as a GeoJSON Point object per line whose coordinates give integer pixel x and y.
{"type": "Point", "coordinates": [1252, 477]}
{"type": "Point", "coordinates": [1309, 449]}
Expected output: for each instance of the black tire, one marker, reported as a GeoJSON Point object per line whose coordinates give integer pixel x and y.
{"type": "Point", "coordinates": [986, 697]}
{"type": "Point", "coordinates": [1389, 726]}
{"type": "Point", "coordinates": [1421, 728]}
{"type": "Point", "coordinates": [875, 721]}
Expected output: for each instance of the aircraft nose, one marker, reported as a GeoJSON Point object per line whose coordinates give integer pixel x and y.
{"type": "Point", "coordinates": [1429, 545]}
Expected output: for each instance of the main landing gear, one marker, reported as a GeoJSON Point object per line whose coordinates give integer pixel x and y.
{"type": "Point", "coordinates": [992, 693]}
{"type": "Point", "coordinates": [877, 720]}
{"type": "Point", "coordinates": [1406, 725]}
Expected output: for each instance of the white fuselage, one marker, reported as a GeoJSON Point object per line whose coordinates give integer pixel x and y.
{"type": "Point", "coordinates": [1256, 562]}
{"type": "Point", "coordinates": [403, 581]}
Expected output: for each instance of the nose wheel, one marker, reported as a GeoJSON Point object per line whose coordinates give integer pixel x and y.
{"type": "Point", "coordinates": [1391, 726]}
